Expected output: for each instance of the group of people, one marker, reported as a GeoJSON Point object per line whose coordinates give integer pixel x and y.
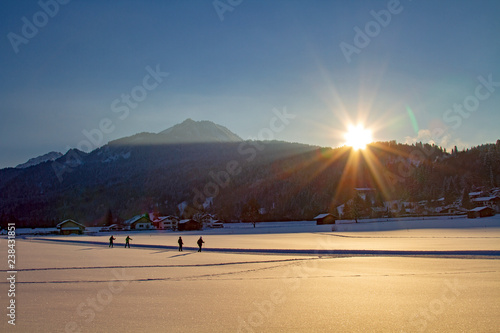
{"type": "Point", "coordinates": [127, 241]}
{"type": "Point", "coordinates": [200, 242]}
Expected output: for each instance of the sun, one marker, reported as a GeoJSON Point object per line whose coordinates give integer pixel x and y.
{"type": "Point", "coordinates": [358, 137]}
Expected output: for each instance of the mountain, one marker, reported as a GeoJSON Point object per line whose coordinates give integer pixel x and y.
{"type": "Point", "coordinates": [40, 159]}
{"type": "Point", "coordinates": [161, 172]}
{"type": "Point", "coordinates": [191, 131]}
{"type": "Point", "coordinates": [187, 132]}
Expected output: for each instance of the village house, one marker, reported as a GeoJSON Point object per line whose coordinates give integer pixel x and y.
{"type": "Point", "coordinates": [480, 212]}
{"type": "Point", "coordinates": [166, 222]}
{"type": "Point", "coordinates": [139, 222]}
{"type": "Point", "coordinates": [113, 227]}
{"type": "Point", "coordinates": [210, 221]}
{"type": "Point", "coordinates": [189, 224]}
{"type": "Point", "coordinates": [68, 227]}
{"type": "Point", "coordinates": [399, 206]}
{"type": "Point", "coordinates": [216, 224]}
{"type": "Point", "coordinates": [491, 201]}
{"type": "Point", "coordinates": [452, 210]}
{"type": "Point", "coordinates": [325, 218]}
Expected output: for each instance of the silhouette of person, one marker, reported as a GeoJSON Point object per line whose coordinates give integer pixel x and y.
{"type": "Point", "coordinates": [200, 243]}
{"type": "Point", "coordinates": [111, 239]}
{"type": "Point", "coordinates": [180, 243]}
{"type": "Point", "coordinates": [127, 241]}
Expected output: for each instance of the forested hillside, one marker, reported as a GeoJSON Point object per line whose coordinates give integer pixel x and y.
{"type": "Point", "coordinates": [284, 181]}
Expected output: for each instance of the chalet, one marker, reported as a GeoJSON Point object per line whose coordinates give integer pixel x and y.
{"type": "Point", "coordinates": [326, 218]}
{"type": "Point", "coordinates": [452, 211]}
{"type": "Point", "coordinates": [190, 224]}
{"type": "Point", "coordinates": [139, 222]}
{"type": "Point", "coordinates": [113, 227]}
{"type": "Point", "coordinates": [480, 212]}
{"type": "Point", "coordinates": [68, 227]}
{"type": "Point", "coordinates": [491, 201]}
{"type": "Point", "coordinates": [211, 221]}
{"type": "Point", "coordinates": [166, 222]}
{"type": "Point", "coordinates": [217, 224]}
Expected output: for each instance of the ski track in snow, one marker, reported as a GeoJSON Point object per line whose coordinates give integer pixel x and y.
{"type": "Point", "coordinates": [220, 276]}
{"type": "Point", "coordinates": [318, 254]}
{"type": "Point", "coordinates": [314, 252]}
{"type": "Point", "coordinates": [186, 278]}
{"type": "Point", "coordinates": [396, 237]}
{"type": "Point", "coordinates": [160, 266]}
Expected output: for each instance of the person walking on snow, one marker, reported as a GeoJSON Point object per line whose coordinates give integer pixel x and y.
{"type": "Point", "coordinates": [180, 243]}
{"type": "Point", "coordinates": [111, 239]}
{"type": "Point", "coordinates": [127, 241]}
{"type": "Point", "coordinates": [200, 243]}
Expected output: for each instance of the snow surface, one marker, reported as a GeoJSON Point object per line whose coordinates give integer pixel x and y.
{"type": "Point", "coordinates": [151, 287]}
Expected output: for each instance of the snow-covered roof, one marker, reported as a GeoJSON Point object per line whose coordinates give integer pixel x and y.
{"type": "Point", "coordinates": [59, 225]}
{"type": "Point", "coordinates": [322, 216]}
{"type": "Point", "coordinates": [478, 209]}
{"type": "Point", "coordinates": [187, 220]}
{"type": "Point", "coordinates": [134, 219]}
{"type": "Point", "coordinates": [165, 218]}
{"type": "Point", "coordinates": [486, 198]}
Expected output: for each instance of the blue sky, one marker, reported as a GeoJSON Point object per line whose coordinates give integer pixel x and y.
{"type": "Point", "coordinates": [236, 63]}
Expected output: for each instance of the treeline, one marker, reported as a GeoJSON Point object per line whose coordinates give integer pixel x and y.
{"type": "Point", "coordinates": [248, 180]}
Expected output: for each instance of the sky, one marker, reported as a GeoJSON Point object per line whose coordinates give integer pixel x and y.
{"type": "Point", "coordinates": [83, 73]}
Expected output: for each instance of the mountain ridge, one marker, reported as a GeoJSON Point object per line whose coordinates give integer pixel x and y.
{"type": "Point", "coordinates": [189, 131]}
{"type": "Point", "coordinates": [287, 180]}
{"type": "Point", "coordinates": [51, 156]}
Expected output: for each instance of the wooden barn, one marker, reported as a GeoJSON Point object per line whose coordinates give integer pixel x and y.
{"type": "Point", "coordinates": [68, 227]}
{"type": "Point", "coordinates": [480, 212]}
{"type": "Point", "coordinates": [326, 218]}
{"type": "Point", "coordinates": [186, 225]}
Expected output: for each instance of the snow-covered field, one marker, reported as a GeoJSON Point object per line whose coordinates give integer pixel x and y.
{"type": "Point", "coordinates": [293, 277]}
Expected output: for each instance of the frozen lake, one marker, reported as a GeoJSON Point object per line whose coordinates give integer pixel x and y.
{"type": "Point", "coordinates": [84, 286]}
